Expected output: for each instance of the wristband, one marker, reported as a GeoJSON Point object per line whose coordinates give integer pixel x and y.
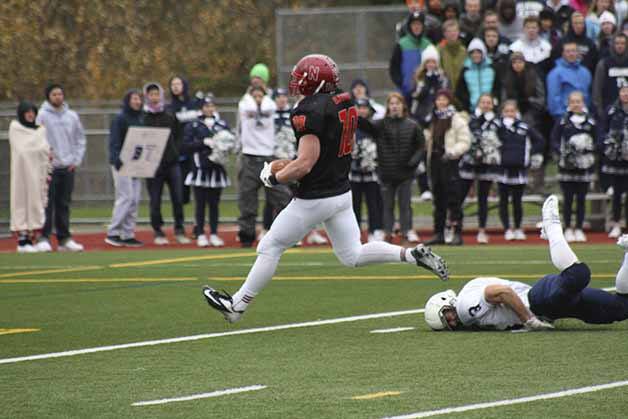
{"type": "Point", "coordinates": [273, 180]}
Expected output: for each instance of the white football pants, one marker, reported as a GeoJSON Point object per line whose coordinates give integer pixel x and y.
{"type": "Point", "coordinates": [295, 221]}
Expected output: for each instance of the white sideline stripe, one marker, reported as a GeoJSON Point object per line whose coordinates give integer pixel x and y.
{"type": "Point", "coordinates": [508, 402]}
{"type": "Point", "coordinates": [394, 330]}
{"type": "Point", "coordinates": [210, 335]}
{"type": "Point", "coordinates": [609, 289]}
{"type": "Point", "coordinates": [201, 396]}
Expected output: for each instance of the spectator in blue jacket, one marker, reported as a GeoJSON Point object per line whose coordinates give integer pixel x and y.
{"type": "Point", "coordinates": [568, 76]}
{"type": "Point", "coordinates": [478, 76]}
{"type": "Point", "coordinates": [121, 231]}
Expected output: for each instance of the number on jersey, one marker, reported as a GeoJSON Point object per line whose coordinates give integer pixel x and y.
{"type": "Point", "coordinates": [349, 119]}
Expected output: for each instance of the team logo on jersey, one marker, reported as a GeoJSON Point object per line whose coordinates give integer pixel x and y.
{"type": "Point", "coordinates": [298, 121]}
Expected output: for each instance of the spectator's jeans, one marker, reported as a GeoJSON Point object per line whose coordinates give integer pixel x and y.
{"type": "Point", "coordinates": [249, 184]}
{"type": "Point", "coordinates": [58, 209]}
{"type": "Point", "coordinates": [128, 191]}
{"type": "Point", "coordinates": [172, 176]}
{"type": "Point", "coordinates": [403, 191]}
{"type": "Point", "coordinates": [371, 191]}
{"type": "Point", "coordinates": [579, 191]}
{"type": "Point", "coordinates": [445, 193]}
{"type": "Point", "coordinates": [566, 295]}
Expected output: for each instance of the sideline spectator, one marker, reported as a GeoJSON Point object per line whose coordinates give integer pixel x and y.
{"type": "Point", "coordinates": [128, 190]}
{"type": "Point", "coordinates": [593, 19]}
{"type": "Point", "coordinates": [611, 74]}
{"type": "Point", "coordinates": [615, 157]}
{"type": "Point", "coordinates": [400, 145]}
{"type": "Point", "coordinates": [510, 25]}
{"type": "Point", "coordinates": [549, 27]}
{"type": "Point", "coordinates": [208, 141]}
{"type": "Point", "coordinates": [470, 20]}
{"type": "Point", "coordinates": [257, 137]}
{"type": "Point", "coordinates": [434, 20]}
{"type": "Point", "coordinates": [522, 83]}
{"type": "Point", "coordinates": [608, 25]}
{"type": "Point", "coordinates": [491, 21]}
{"type": "Point", "coordinates": [452, 53]}
{"type": "Point", "coordinates": [30, 167]}
{"type": "Point", "coordinates": [185, 109]}
{"type": "Point", "coordinates": [429, 78]}
{"type": "Point", "coordinates": [520, 149]}
{"type": "Point", "coordinates": [406, 56]}
{"type": "Point", "coordinates": [447, 138]}
{"type": "Point", "coordinates": [569, 75]}
{"type": "Point", "coordinates": [574, 140]}
{"type": "Point", "coordinates": [168, 171]}
{"type": "Point", "coordinates": [66, 137]}
{"type": "Point", "coordinates": [451, 10]}
{"type": "Point", "coordinates": [561, 10]}
{"type": "Point", "coordinates": [535, 49]}
{"type": "Point", "coordinates": [364, 179]}
{"type": "Point", "coordinates": [587, 51]}
{"type": "Point", "coordinates": [360, 90]}
{"type": "Point", "coordinates": [480, 162]}
{"type": "Point", "coordinates": [476, 77]}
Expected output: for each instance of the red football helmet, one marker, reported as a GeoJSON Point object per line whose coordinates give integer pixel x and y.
{"type": "Point", "coordinates": [313, 74]}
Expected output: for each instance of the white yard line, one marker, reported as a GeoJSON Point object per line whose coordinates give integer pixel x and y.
{"type": "Point", "coordinates": [201, 396]}
{"type": "Point", "coordinates": [508, 402]}
{"type": "Point", "coordinates": [210, 335]}
{"type": "Point", "coordinates": [393, 330]}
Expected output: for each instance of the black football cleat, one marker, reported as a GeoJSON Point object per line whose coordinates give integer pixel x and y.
{"type": "Point", "coordinates": [222, 303]}
{"type": "Point", "coordinates": [427, 259]}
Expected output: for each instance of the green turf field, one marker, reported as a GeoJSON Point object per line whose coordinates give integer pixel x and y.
{"type": "Point", "coordinates": [314, 371]}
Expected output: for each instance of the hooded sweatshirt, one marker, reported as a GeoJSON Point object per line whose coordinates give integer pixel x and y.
{"type": "Point", "coordinates": [562, 80]}
{"type": "Point", "coordinates": [127, 117]}
{"type": "Point", "coordinates": [156, 116]}
{"type": "Point", "coordinates": [586, 48]}
{"type": "Point", "coordinates": [610, 73]}
{"type": "Point", "coordinates": [64, 133]}
{"type": "Point", "coordinates": [476, 79]}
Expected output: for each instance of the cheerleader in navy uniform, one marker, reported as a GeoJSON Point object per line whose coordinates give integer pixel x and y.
{"type": "Point", "coordinates": [208, 141]}
{"type": "Point", "coordinates": [614, 149]}
{"type": "Point", "coordinates": [573, 140]}
{"type": "Point", "coordinates": [521, 148]}
{"type": "Point", "coordinates": [479, 163]}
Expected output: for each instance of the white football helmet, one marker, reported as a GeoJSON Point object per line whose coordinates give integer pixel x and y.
{"type": "Point", "coordinates": [435, 309]}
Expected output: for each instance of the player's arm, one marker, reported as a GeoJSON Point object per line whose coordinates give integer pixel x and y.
{"type": "Point", "coordinates": [307, 156]}
{"type": "Point", "coordinates": [503, 294]}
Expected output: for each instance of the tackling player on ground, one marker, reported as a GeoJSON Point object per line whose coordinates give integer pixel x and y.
{"type": "Point", "coordinates": [494, 303]}
{"type": "Point", "coordinates": [324, 123]}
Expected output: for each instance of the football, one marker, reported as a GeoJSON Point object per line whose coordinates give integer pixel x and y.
{"type": "Point", "coordinates": [277, 165]}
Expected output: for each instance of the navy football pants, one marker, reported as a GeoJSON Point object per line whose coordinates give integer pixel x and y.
{"type": "Point", "coordinates": [566, 296]}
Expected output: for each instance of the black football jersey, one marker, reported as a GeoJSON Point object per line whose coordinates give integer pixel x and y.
{"type": "Point", "coordinates": [333, 118]}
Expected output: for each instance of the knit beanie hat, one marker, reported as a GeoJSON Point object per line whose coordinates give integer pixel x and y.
{"type": "Point", "coordinates": [260, 70]}
{"type": "Point", "coordinates": [607, 16]}
{"type": "Point", "coordinates": [430, 53]}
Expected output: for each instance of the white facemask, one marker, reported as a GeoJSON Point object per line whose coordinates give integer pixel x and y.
{"type": "Point", "coordinates": [577, 119]}
{"type": "Point", "coordinates": [509, 121]}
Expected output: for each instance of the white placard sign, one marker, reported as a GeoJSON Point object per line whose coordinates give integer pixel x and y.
{"type": "Point", "coordinates": [142, 151]}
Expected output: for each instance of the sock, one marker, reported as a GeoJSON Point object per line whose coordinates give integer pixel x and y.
{"type": "Point", "coordinates": [561, 254]}
{"type": "Point", "coordinates": [379, 252]}
{"type": "Point", "coordinates": [259, 276]}
{"type": "Point", "coordinates": [621, 282]}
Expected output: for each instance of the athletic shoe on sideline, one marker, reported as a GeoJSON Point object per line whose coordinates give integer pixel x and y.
{"type": "Point", "coordinates": [379, 235]}
{"type": "Point", "coordinates": [509, 235]}
{"type": "Point", "coordinates": [623, 242]}
{"type": "Point", "coordinates": [161, 241]}
{"type": "Point", "coordinates": [449, 235]}
{"type": "Point", "coordinates": [426, 196]}
{"type": "Point", "coordinates": [43, 246]}
{"type": "Point", "coordinates": [316, 238]}
{"type": "Point", "coordinates": [579, 236]}
{"type": "Point", "coordinates": [201, 241]}
{"type": "Point", "coordinates": [412, 237]}
{"type": "Point", "coordinates": [615, 232]}
{"type": "Point", "coordinates": [71, 246]}
{"type": "Point", "coordinates": [482, 237]}
{"type": "Point", "coordinates": [520, 235]}
{"type": "Point", "coordinates": [26, 248]}
{"type": "Point", "coordinates": [181, 239]}
{"type": "Point", "coordinates": [132, 242]}
{"type": "Point", "coordinates": [114, 241]}
{"type": "Point", "coordinates": [216, 241]}
{"type": "Point", "coordinates": [429, 260]}
{"type": "Point", "coordinates": [570, 235]}
{"type": "Point", "coordinates": [222, 303]}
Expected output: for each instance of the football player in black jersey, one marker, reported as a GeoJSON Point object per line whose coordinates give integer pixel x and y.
{"type": "Point", "coordinates": [324, 122]}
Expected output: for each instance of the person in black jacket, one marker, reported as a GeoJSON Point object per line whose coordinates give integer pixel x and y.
{"type": "Point", "coordinates": [587, 51]}
{"type": "Point", "coordinates": [574, 140]}
{"type": "Point", "coordinates": [121, 231]}
{"type": "Point", "coordinates": [207, 140]}
{"type": "Point", "coordinates": [168, 171]}
{"type": "Point", "coordinates": [400, 145]}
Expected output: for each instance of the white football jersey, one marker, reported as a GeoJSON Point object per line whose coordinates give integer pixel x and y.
{"type": "Point", "coordinates": [473, 310]}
